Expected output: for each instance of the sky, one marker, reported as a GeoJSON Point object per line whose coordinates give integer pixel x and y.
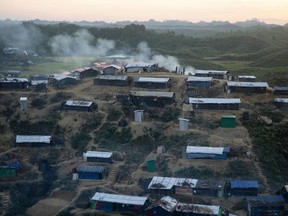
{"type": "Point", "coordinates": [269, 11]}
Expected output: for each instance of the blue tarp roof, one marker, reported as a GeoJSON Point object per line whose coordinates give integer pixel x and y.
{"type": "Point", "coordinates": [244, 184]}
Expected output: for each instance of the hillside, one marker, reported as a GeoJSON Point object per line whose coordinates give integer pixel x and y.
{"type": "Point", "coordinates": [132, 145]}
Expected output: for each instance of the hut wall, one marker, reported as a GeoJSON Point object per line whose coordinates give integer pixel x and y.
{"type": "Point", "coordinates": [246, 79]}
{"type": "Point", "coordinates": [281, 105]}
{"type": "Point", "coordinates": [111, 82]}
{"type": "Point", "coordinates": [97, 159]}
{"type": "Point", "coordinates": [8, 172]}
{"type": "Point", "coordinates": [206, 156]}
{"type": "Point", "coordinates": [110, 71]}
{"type": "Point", "coordinates": [90, 175]}
{"type": "Point", "coordinates": [244, 191]}
{"type": "Point", "coordinates": [152, 85]}
{"type": "Point", "coordinates": [198, 84]}
{"type": "Point", "coordinates": [14, 85]}
{"type": "Point", "coordinates": [240, 89]}
{"type": "Point", "coordinates": [215, 106]}
{"type": "Point", "coordinates": [152, 101]}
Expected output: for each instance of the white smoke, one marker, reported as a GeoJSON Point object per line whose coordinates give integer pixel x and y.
{"type": "Point", "coordinates": [80, 44]}
{"type": "Point", "coordinates": [145, 54]}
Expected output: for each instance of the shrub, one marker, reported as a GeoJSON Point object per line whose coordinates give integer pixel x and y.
{"type": "Point", "coordinates": [201, 172]}
{"type": "Point", "coordinates": [59, 97]}
{"type": "Point", "coordinates": [113, 114]}
{"type": "Point", "coordinates": [38, 103]}
{"type": "Point", "coordinates": [238, 168]}
{"type": "Point", "coordinates": [170, 114]}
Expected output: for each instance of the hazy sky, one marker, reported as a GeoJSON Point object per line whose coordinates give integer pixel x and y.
{"type": "Point", "coordinates": [269, 11]}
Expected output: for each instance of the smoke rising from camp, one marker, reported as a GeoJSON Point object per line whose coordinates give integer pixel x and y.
{"type": "Point", "coordinates": [24, 36]}
{"type": "Point", "coordinates": [146, 55]}
{"type": "Point", "coordinates": [82, 43]}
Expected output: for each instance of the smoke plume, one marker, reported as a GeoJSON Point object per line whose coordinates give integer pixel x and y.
{"type": "Point", "coordinates": [80, 44]}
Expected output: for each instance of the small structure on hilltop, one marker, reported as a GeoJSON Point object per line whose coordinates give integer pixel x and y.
{"type": "Point", "coordinates": [215, 74]}
{"type": "Point", "coordinates": [265, 205]}
{"type": "Point", "coordinates": [119, 203]}
{"type": "Point", "coordinates": [23, 103]}
{"type": "Point", "coordinates": [281, 103]}
{"type": "Point", "coordinates": [9, 169]}
{"type": "Point", "coordinates": [280, 90]}
{"type": "Point", "coordinates": [91, 172]}
{"type": "Point", "coordinates": [246, 78]}
{"type": "Point", "coordinates": [198, 82]}
{"type": "Point", "coordinates": [147, 98]}
{"type": "Point", "coordinates": [34, 140]}
{"type": "Point", "coordinates": [83, 72]}
{"type": "Point", "coordinates": [139, 115]}
{"type": "Point", "coordinates": [228, 121]}
{"type": "Point", "coordinates": [203, 152]}
{"type": "Point", "coordinates": [112, 70]}
{"type": "Point", "coordinates": [242, 187]}
{"type": "Point", "coordinates": [140, 67]}
{"type": "Point", "coordinates": [14, 83]}
{"type": "Point", "coordinates": [152, 82]}
{"type": "Point", "coordinates": [78, 105]}
{"type": "Point", "coordinates": [61, 80]}
{"type": "Point", "coordinates": [247, 87]}
{"type": "Point", "coordinates": [169, 185]}
{"type": "Point", "coordinates": [164, 207]}
{"type": "Point", "coordinates": [119, 80]}
{"type": "Point", "coordinates": [98, 156]}
{"type": "Point", "coordinates": [213, 103]}
{"type": "Point", "coordinates": [183, 124]}
{"type": "Point", "coordinates": [209, 188]}
{"type": "Point", "coordinates": [185, 209]}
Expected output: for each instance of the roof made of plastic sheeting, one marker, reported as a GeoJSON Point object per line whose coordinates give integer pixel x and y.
{"type": "Point", "coordinates": [94, 169]}
{"type": "Point", "coordinates": [214, 100]}
{"type": "Point", "coordinates": [199, 209]}
{"type": "Point", "coordinates": [281, 100]}
{"type": "Point", "coordinates": [210, 72]}
{"type": "Point", "coordinates": [244, 184]}
{"type": "Point", "coordinates": [111, 77]}
{"type": "Point", "coordinates": [205, 150]}
{"type": "Point", "coordinates": [79, 103]}
{"type": "Point", "coordinates": [247, 84]}
{"type": "Point", "coordinates": [168, 203]}
{"type": "Point", "coordinates": [122, 199]}
{"type": "Point", "coordinates": [112, 66]}
{"type": "Point", "coordinates": [168, 182]}
{"type": "Point", "coordinates": [273, 200]}
{"type": "Point", "coordinates": [98, 154]}
{"type": "Point", "coordinates": [151, 79]}
{"type": "Point", "coordinates": [152, 94]}
{"type": "Point", "coordinates": [138, 64]}
{"type": "Point", "coordinates": [200, 79]}
{"type": "Point", "coordinates": [32, 139]}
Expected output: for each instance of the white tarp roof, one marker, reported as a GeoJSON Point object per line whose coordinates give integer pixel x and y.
{"type": "Point", "coordinates": [23, 98]}
{"type": "Point", "coordinates": [97, 154]}
{"type": "Point", "coordinates": [59, 77]}
{"type": "Point", "coordinates": [169, 182]}
{"type": "Point", "coordinates": [152, 94]}
{"type": "Point", "coordinates": [123, 199]}
{"type": "Point", "coordinates": [195, 78]}
{"type": "Point", "coordinates": [214, 100]}
{"type": "Point", "coordinates": [168, 203]}
{"type": "Point", "coordinates": [247, 84]}
{"type": "Point", "coordinates": [8, 79]}
{"type": "Point", "coordinates": [112, 77]}
{"type": "Point", "coordinates": [79, 103]}
{"type": "Point", "coordinates": [251, 77]}
{"type": "Point", "coordinates": [113, 66]}
{"type": "Point", "coordinates": [138, 64]}
{"type": "Point", "coordinates": [32, 139]}
{"type": "Point", "coordinates": [210, 72]}
{"type": "Point", "coordinates": [205, 150]}
{"type": "Point", "coordinates": [152, 79]}
{"type": "Point", "coordinates": [196, 208]}
{"type": "Point", "coordinates": [281, 100]}
{"type": "Point", "coordinates": [36, 82]}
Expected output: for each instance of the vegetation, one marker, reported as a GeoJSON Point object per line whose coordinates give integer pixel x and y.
{"type": "Point", "coordinates": [197, 173]}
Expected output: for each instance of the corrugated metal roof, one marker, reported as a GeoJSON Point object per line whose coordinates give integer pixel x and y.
{"type": "Point", "coordinates": [210, 72]}
{"type": "Point", "coordinates": [244, 184]}
{"type": "Point", "coordinates": [183, 119]}
{"type": "Point", "coordinates": [59, 77]}
{"type": "Point", "coordinates": [32, 139]}
{"type": "Point", "coordinates": [97, 169]}
{"type": "Point", "coordinates": [166, 183]}
{"type": "Point", "coordinates": [275, 200]}
{"type": "Point", "coordinates": [122, 199]}
{"type": "Point", "coordinates": [196, 208]}
{"type": "Point", "coordinates": [249, 77]}
{"type": "Point", "coordinates": [152, 94]}
{"type": "Point", "coordinates": [138, 64]}
{"type": "Point", "coordinates": [151, 79]}
{"type": "Point", "coordinates": [195, 78]}
{"type": "Point", "coordinates": [113, 66]}
{"type": "Point", "coordinates": [98, 154]}
{"type": "Point", "coordinates": [205, 150]}
{"type": "Point", "coordinates": [14, 80]}
{"type": "Point", "coordinates": [168, 203]}
{"type": "Point", "coordinates": [277, 88]}
{"type": "Point", "coordinates": [23, 98]}
{"type": "Point", "coordinates": [112, 77]}
{"type": "Point", "coordinates": [247, 84]}
{"type": "Point", "coordinates": [79, 103]}
{"type": "Point", "coordinates": [37, 82]}
{"type": "Point", "coordinates": [214, 100]}
{"type": "Point", "coordinates": [281, 100]}
{"type": "Point", "coordinates": [228, 116]}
